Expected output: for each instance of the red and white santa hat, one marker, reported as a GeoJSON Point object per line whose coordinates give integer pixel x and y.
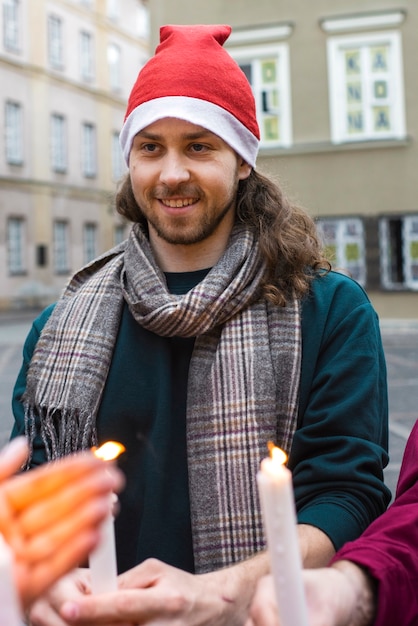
{"type": "Point", "coordinates": [192, 77]}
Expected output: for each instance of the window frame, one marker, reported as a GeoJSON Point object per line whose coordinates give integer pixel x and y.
{"type": "Point", "coordinates": [13, 123]}
{"type": "Point", "coordinates": [357, 269]}
{"type": "Point", "coordinates": [86, 47]}
{"type": "Point", "coordinates": [118, 161]}
{"type": "Point", "coordinates": [11, 25]}
{"type": "Point", "coordinates": [395, 101]}
{"type": "Point", "coordinates": [119, 234]}
{"type": "Point", "coordinates": [59, 148]}
{"type": "Point", "coordinates": [405, 252]}
{"type": "Point", "coordinates": [114, 64]}
{"type": "Point", "coordinates": [90, 231]}
{"type": "Point", "coordinates": [88, 150]}
{"type": "Point", "coordinates": [16, 246]}
{"type": "Point", "coordinates": [254, 54]}
{"type": "Point", "coordinates": [113, 9]}
{"type": "Point", "coordinates": [143, 27]}
{"type": "Point", "coordinates": [61, 246]}
{"type": "Point", "coordinates": [55, 41]}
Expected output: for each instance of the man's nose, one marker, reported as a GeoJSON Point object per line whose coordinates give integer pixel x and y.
{"type": "Point", "coordinates": [174, 170]}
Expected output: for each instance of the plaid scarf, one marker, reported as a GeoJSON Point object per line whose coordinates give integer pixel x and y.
{"type": "Point", "coordinates": [243, 378]}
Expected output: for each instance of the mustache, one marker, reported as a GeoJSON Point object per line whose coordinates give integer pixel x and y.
{"type": "Point", "coordinates": [164, 193]}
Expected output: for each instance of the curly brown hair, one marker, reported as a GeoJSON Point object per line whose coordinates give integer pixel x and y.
{"type": "Point", "coordinates": [287, 235]}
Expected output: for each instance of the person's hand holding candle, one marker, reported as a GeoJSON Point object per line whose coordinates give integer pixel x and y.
{"type": "Point", "coordinates": [50, 516]}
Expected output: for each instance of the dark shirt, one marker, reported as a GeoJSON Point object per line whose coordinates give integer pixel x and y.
{"type": "Point", "coordinates": [338, 451]}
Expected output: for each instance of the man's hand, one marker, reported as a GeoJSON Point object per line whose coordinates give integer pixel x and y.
{"type": "Point", "coordinates": [341, 595]}
{"type": "Point", "coordinates": [155, 593]}
{"type": "Point", "coordinates": [50, 516]}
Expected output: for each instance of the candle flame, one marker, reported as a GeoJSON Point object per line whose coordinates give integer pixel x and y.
{"type": "Point", "coordinates": [109, 450]}
{"type": "Point", "coordinates": [278, 456]}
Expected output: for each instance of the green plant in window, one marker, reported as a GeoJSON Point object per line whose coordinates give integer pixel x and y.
{"type": "Point", "coordinates": [330, 252]}
{"type": "Point", "coordinates": [271, 129]}
{"type": "Point", "coordinates": [269, 71]}
{"type": "Point", "coordinates": [413, 249]}
{"type": "Point", "coordinates": [352, 252]}
{"type": "Point", "coordinates": [380, 89]}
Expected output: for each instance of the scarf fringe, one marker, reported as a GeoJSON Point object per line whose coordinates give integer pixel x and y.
{"type": "Point", "coordinates": [61, 432]}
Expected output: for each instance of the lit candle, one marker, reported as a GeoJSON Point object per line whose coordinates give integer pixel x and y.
{"type": "Point", "coordinates": [102, 561]}
{"type": "Point", "coordinates": [279, 515]}
{"type": "Point", "coordinates": [10, 612]}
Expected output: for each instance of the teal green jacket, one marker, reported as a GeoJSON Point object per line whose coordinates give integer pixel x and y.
{"type": "Point", "coordinates": [339, 448]}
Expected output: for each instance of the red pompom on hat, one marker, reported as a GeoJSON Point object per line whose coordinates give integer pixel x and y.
{"type": "Point", "coordinates": [192, 77]}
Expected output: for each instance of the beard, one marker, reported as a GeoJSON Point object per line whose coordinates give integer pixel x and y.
{"type": "Point", "coordinates": [186, 230]}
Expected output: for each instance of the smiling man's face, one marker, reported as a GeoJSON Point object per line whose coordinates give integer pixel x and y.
{"type": "Point", "coordinates": [185, 180]}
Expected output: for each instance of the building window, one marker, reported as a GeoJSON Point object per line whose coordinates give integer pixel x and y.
{"type": "Point", "coordinates": [58, 143]}
{"type": "Point", "coordinates": [86, 56]}
{"type": "Point", "coordinates": [11, 25]}
{"type": "Point", "coordinates": [114, 64]}
{"type": "Point", "coordinates": [14, 133]}
{"type": "Point", "coordinates": [143, 21]}
{"type": "Point", "coordinates": [267, 70]}
{"type": "Point", "coordinates": [88, 150]}
{"type": "Point", "coordinates": [16, 246]}
{"type": "Point", "coordinates": [89, 242]}
{"type": "Point", "coordinates": [113, 9]}
{"type": "Point", "coordinates": [61, 247]}
{"type": "Point", "coordinates": [366, 87]}
{"type": "Point", "coordinates": [55, 42]}
{"type": "Point", "coordinates": [118, 162]}
{"type": "Point", "coordinates": [119, 234]}
{"type": "Point", "coordinates": [399, 252]}
{"type": "Point", "coordinates": [344, 241]}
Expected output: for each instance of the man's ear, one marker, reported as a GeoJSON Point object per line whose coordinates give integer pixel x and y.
{"type": "Point", "coordinates": [244, 170]}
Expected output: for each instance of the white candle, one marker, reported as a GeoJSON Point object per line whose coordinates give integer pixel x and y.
{"type": "Point", "coordinates": [10, 612]}
{"type": "Point", "coordinates": [279, 515]}
{"type": "Point", "coordinates": [102, 561]}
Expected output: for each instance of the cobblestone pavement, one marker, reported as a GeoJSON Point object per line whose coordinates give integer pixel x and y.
{"type": "Point", "coordinates": [400, 339]}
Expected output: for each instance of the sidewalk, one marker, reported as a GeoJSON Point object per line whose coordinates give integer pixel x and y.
{"type": "Point", "coordinates": [400, 325]}
{"type": "Point", "coordinates": [18, 315]}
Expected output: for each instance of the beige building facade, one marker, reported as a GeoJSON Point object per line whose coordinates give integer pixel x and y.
{"type": "Point", "coordinates": [337, 95]}
{"type": "Point", "coordinates": [66, 70]}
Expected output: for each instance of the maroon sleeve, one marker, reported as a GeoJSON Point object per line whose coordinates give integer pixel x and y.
{"type": "Point", "coordinates": [388, 549]}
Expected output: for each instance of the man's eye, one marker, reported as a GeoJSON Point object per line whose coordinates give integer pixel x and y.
{"type": "Point", "coordinates": [149, 147]}
{"type": "Point", "coordinates": [198, 147]}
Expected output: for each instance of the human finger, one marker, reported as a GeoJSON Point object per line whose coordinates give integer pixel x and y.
{"type": "Point", "coordinates": [133, 606]}
{"type": "Point", "coordinates": [122, 607]}
{"type": "Point", "coordinates": [263, 610]}
{"type": "Point", "coordinates": [64, 501]}
{"type": "Point", "coordinates": [32, 581]}
{"type": "Point", "coordinates": [42, 614]}
{"type": "Point", "coordinates": [53, 538]}
{"type": "Point", "coordinates": [12, 457]}
{"type": "Point", "coordinates": [45, 611]}
{"type": "Point", "coordinates": [53, 477]}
